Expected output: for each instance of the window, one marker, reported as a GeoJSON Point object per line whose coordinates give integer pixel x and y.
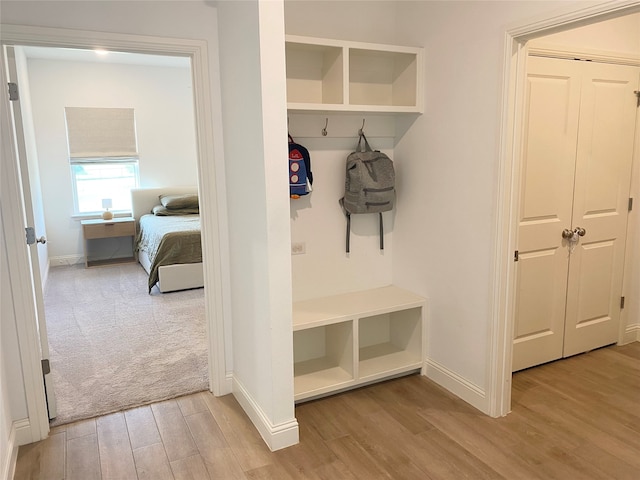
{"type": "Point", "coordinates": [94, 181]}
{"type": "Point", "coordinates": [103, 157]}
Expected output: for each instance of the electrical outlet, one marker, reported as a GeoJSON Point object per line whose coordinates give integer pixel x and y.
{"type": "Point", "coordinates": [298, 248]}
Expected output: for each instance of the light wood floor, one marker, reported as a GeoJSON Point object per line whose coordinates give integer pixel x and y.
{"type": "Point", "coordinates": [574, 419]}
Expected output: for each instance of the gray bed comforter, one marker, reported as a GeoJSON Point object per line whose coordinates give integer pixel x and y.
{"type": "Point", "coordinates": [169, 240]}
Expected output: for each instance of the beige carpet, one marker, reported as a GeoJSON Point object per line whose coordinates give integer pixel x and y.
{"type": "Point", "coordinates": [114, 346]}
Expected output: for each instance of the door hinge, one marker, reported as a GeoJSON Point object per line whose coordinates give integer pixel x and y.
{"type": "Point", "coordinates": [46, 368]}
{"type": "Point", "coordinates": [516, 256]}
{"type": "Point", "coordinates": [630, 203]}
{"type": "Point", "coordinates": [13, 92]}
{"type": "Point", "coordinates": [621, 303]}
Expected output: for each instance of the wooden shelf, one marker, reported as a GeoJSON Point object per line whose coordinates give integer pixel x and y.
{"type": "Point", "coordinates": [314, 73]}
{"type": "Point", "coordinates": [346, 340]}
{"type": "Point", "coordinates": [340, 76]}
{"type": "Point", "coordinates": [385, 360]}
{"type": "Point", "coordinates": [318, 376]}
{"type": "Point", "coordinates": [382, 78]}
{"type": "Point", "coordinates": [323, 358]}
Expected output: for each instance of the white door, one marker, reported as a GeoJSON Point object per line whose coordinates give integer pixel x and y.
{"type": "Point", "coordinates": [549, 151]}
{"type": "Point", "coordinates": [34, 219]}
{"type": "Point", "coordinates": [577, 152]}
{"type": "Point", "coordinates": [608, 110]}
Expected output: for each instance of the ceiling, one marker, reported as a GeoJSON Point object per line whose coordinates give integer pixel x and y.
{"type": "Point", "coordinates": [81, 55]}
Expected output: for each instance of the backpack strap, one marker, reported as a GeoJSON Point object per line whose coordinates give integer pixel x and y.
{"type": "Point", "coordinates": [348, 215]}
{"type": "Point", "coordinates": [348, 230]}
{"type": "Point", "coordinates": [348, 235]}
{"type": "Point", "coordinates": [366, 147]}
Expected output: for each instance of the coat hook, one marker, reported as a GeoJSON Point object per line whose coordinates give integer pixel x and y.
{"type": "Point", "coordinates": [324, 130]}
{"type": "Point", "coordinates": [361, 131]}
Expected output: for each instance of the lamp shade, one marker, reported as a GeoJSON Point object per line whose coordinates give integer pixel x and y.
{"type": "Point", "coordinates": [106, 203]}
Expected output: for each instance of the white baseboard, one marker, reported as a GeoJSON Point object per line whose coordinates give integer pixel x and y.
{"type": "Point", "coordinates": [275, 436]}
{"type": "Point", "coordinates": [631, 334]}
{"type": "Point", "coordinates": [458, 385]}
{"type": "Point", "coordinates": [24, 434]}
{"type": "Point", "coordinates": [65, 260]}
{"type": "Point", "coordinates": [10, 457]}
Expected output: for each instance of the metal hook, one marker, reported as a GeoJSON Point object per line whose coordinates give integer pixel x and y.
{"type": "Point", "coordinates": [324, 130]}
{"type": "Point", "coordinates": [361, 131]}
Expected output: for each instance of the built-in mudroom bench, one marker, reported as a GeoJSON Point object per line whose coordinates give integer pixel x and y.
{"type": "Point", "coordinates": [372, 333]}
{"type": "Point", "coordinates": [352, 339]}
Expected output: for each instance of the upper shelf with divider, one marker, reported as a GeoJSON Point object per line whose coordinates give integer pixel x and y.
{"type": "Point", "coordinates": [338, 76]}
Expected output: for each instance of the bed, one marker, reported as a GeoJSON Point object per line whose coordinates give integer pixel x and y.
{"type": "Point", "coordinates": [167, 246]}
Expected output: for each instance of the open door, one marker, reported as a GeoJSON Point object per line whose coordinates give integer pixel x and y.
{"type": "Point", "coordinates": [34, 218]}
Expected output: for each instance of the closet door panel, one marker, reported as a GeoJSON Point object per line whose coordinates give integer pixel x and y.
{"type": "Point", "coordinates": [548, 160]}
{"type": "Point", "coordinates": [602, 181]}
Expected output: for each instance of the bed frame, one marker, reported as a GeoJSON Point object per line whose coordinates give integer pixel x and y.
{"type": "Point", "coordinates": [171, 277]}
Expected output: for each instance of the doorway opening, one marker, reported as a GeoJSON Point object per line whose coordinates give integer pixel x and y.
{"type": "Point", "coordinates": [112, 345]}
{"type": "Point", "coordinates": [196, 52]}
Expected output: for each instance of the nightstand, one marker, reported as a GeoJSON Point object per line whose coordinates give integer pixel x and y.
{"type": "Point", "coordinates": [116, 227]}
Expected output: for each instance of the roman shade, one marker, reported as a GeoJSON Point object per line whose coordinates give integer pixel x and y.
{"type": "Point", "coordinates": [101, 134]}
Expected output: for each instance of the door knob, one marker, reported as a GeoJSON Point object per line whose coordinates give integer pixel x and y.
{"type": "Point", "coordinates": [566, 233]}
{"type": "Point", "coordinates": [580, 231]}
{"type": "Point", "coordinates": [41, 240]}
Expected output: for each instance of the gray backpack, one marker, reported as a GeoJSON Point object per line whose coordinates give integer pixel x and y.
{"type": "Point", "coordinates": [369, 185]}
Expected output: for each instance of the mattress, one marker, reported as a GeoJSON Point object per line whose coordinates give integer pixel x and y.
{"type": "Point", "coordinates": [169, 240]}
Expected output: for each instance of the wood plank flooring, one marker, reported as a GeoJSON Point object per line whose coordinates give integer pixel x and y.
{"type": "Point", "coordinates": [574, 419]}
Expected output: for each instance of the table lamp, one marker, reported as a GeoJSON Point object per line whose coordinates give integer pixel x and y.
{"type": "Point", "coordinates": [106, 204]}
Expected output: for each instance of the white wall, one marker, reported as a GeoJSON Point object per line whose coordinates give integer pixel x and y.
{"type": "Point", "coordinates": [358, 21]}
{"type": "Point", "coordinates": [253, 106]}
{"type": "Point", "coordinates": [318, 221]}
{"type": "Point", "coordinates": [162, 98]}
{"type": "Point", "coordinates": [620, 35]}
{"type": "Point", "coordinates": [632, 276]}
{"type": "Point", "coordinates": [633, 259]}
